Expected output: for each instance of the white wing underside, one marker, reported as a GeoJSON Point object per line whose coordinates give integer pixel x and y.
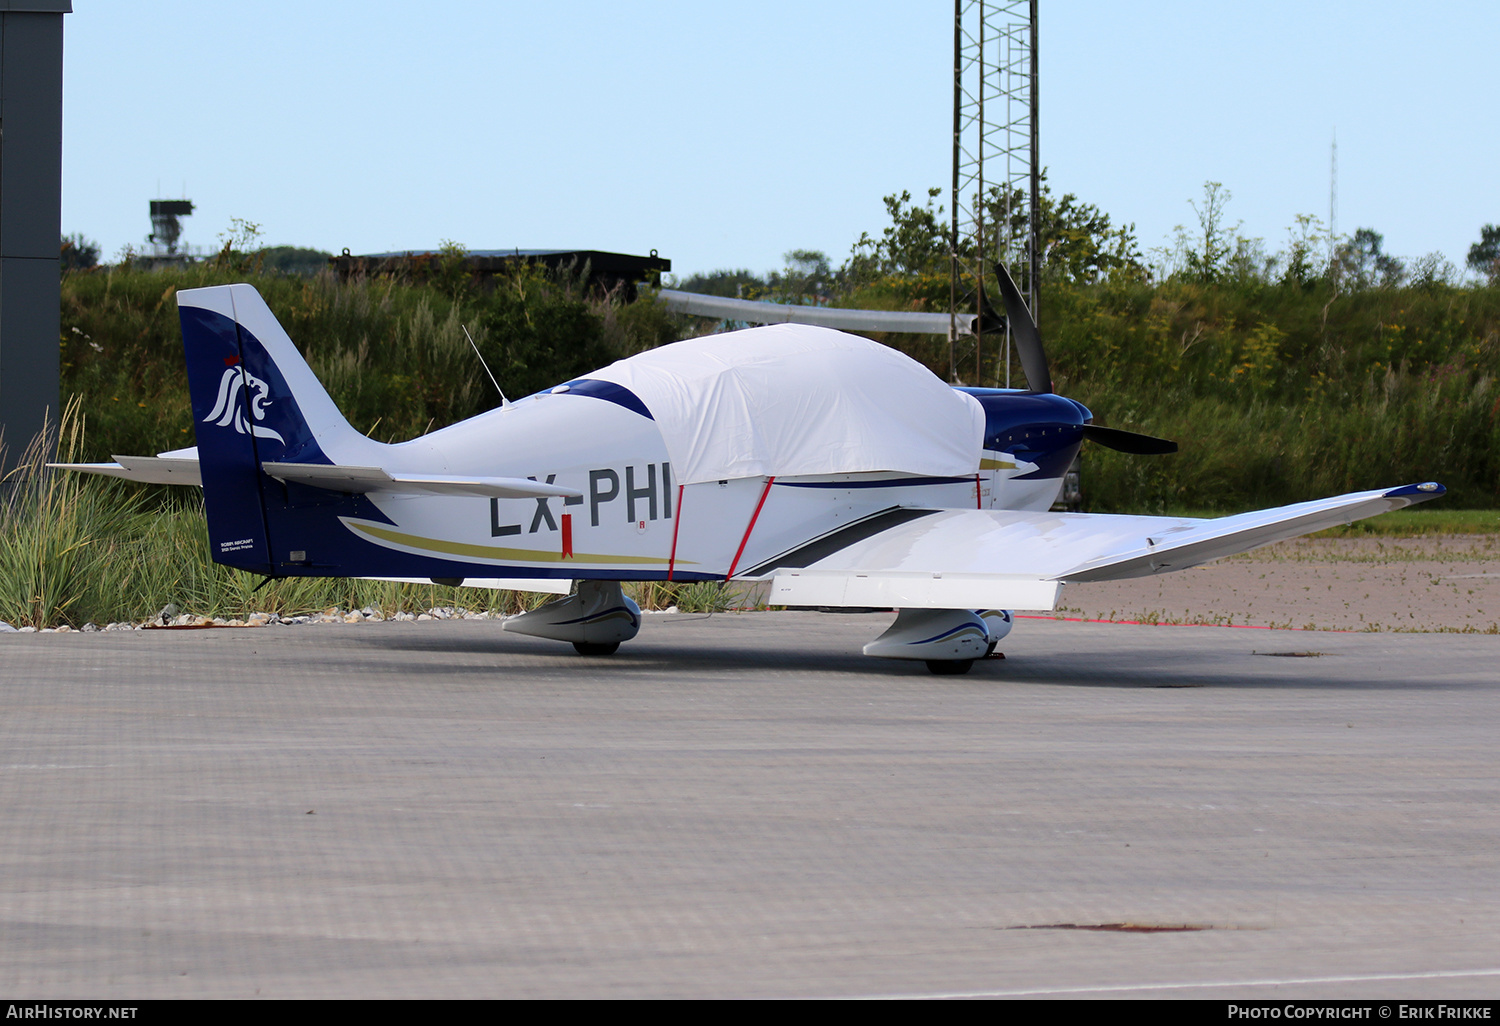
{"type": "Point", "coordinates": [755, 312]}
{"type": "Point", "coordinates": [955, 559]}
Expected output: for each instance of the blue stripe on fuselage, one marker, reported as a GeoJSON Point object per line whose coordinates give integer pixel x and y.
{"type": "Point", "coordinates": [609, 392]}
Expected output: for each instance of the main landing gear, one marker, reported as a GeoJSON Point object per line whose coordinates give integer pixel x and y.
{"type": "Point", "coordinates": [595, 619]}
{"type": "Point", "coordinates": [598, 617]}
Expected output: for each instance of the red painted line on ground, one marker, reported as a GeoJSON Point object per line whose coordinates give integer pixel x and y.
{"type": "Point", "coordinates": [1143, 623]}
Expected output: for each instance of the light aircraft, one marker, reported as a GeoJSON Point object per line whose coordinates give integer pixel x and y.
{"type": "Point", "coordinates": [841, 471]}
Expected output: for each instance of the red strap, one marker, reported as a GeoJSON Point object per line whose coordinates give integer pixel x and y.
{"type": "Point", "coordinates": [676, 523]}
{"type": "Point", "coordinates": [753, 517]}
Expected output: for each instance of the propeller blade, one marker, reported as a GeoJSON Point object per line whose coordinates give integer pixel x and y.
{"type": "Point", "coordinates": [1128, 441]}
{"type": "Point", "coordinates": [1023, 330]}
{"type": "Point", "coordinates": [989, 318]}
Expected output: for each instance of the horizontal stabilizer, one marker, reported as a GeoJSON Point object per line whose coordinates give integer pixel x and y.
{"type": "Point", "coordinates": [142, 469]}
{"type": "Point", "coordinates": [181, 468]}
{"type": "Point", "coordinates": [1017, 560]}
{"type": "Point", "coordinates": [364, 480]}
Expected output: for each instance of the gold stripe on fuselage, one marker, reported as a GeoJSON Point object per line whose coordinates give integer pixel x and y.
{"type": "Point", "coordinates": [495, 552]}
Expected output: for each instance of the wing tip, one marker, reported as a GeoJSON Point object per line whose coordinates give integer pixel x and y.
{"type": "Point", "coordinates": [1418, 492]}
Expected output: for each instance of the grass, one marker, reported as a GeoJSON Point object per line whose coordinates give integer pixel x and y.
{"type": "Point", "coordinates": [1419, 523]}
{"type": "Point", "coordinates": [65, 547]}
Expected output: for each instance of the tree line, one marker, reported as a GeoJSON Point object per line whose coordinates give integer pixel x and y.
{"type": "Point", "coordinates": [1079, 244]}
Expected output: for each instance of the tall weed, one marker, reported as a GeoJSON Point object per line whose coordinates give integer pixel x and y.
{"type": "Point", "coordinates": [65, 544]}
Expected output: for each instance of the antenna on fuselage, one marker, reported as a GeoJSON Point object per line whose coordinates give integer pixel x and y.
{"type": "Point", "coordinates": [503, 401]}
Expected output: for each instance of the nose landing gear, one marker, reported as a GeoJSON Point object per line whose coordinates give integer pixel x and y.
{"type": "Point", "coordinates": [947, 640]}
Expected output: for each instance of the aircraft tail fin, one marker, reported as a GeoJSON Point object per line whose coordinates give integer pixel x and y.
{"type": "Point", "coordinates": [255, 400]}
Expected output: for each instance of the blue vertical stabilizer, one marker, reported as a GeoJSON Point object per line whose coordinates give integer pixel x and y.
{"type": "Point", "coordinates": [255, 400]}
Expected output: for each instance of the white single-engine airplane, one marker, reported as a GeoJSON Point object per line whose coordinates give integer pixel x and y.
{"type": "Point", "coordinates": [837, 468]}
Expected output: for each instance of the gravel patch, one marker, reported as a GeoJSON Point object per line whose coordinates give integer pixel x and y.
{"type": "Point", "coordinates": [1441, 584]}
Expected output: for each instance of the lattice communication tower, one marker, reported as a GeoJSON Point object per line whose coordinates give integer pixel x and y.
{"type": "Point", "coordinates": [996, 174]}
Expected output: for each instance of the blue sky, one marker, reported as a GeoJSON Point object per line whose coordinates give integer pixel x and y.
{"type": "Point", "coordinates": [724, 135]}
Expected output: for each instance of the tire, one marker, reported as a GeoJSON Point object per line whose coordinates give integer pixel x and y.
{"type": "Point", "coordinates": [949, 667]}
{"type": "Point", "coordinates": [597, 648]}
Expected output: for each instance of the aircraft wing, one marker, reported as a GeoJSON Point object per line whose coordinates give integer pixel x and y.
{"type": "Point", "coordinates": [957, 559]}
{"type": "Point", "coordinates": [756, 312]}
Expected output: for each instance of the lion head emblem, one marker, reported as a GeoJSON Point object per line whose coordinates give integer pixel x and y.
{"type": "Point", "coordinates": [227, 412]}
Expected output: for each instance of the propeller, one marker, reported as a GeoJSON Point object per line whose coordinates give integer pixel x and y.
{"type": "Point", "coordinates": [1023, 330]}
{"type": "Point", "coordinates": [1128, 441]}
{"type": "Point", "coordinates": [1034, 363]}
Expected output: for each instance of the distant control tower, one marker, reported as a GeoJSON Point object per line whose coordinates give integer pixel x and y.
{"type": "Point", "coordinates": [166, 228]}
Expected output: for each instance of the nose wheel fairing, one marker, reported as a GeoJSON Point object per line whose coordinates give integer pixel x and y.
{"type": "Point", "coordinates": [947, 640]}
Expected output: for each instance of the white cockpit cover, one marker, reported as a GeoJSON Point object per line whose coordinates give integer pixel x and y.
{"type": "Point", "coordinates": [789, 400]}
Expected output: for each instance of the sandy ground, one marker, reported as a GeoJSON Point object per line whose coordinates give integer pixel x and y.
{"type": "Point", "coordinates": [1356, 584]}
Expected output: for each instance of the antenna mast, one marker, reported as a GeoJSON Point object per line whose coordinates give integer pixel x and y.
{"type": "Point", "coordinates": [1333, 202]}
{"type": "Point", "coordinates": [503, 401]}
{"type": "Point", "coordinates": [994, 117]}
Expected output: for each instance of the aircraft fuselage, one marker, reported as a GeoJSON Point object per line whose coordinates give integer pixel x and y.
{"type": "Point", "coordinates": [633, 520]}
